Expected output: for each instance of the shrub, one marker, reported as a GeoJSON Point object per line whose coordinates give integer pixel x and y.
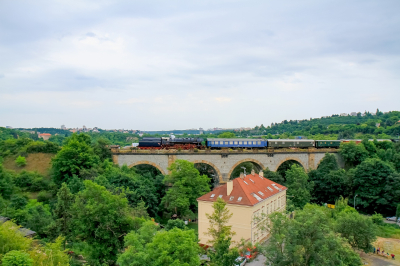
{"type": "Point", "coordinates": [45, 147]}
{"type": "Point", "coordinates": [31, 181]}
{"type": "Point", "coordinates": [44, 197]}
{"type": "Point", "coordinates": [377, 218]}
{"type": "Point", "coordinates": [17, 258]}
{"type": "Point", "coordinates": [20, 161]}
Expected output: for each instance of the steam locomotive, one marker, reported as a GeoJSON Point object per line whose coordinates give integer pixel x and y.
{"type": "Point", "coordinates": [170, 143]}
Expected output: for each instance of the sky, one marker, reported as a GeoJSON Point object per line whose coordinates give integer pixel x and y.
{"type": "Point", "coordinates": [162, 65]}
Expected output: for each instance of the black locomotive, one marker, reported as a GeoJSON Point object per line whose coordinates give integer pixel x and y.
{"type": "Point", "coordinates": [170, 143]}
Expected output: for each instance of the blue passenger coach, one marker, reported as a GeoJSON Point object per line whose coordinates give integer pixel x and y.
{"type": "Point", "coordinates": [236, 143]}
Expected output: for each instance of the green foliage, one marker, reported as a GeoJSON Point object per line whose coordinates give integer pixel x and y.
{"type": "Point", "coordinates": [63, 211]}
{"type": "Point", "coordinates": [359, 230]}
{"type": "Point", "coordinates": [77, 155]}
{"type": "Point", "coordinates": [377, 219]}
{"type": "Point", "coordinates": [34, 215]}
{"type": "Point", "coordinates": [45, 147]}
{"type": "Point", "coordinates": [218, 228]}
{"type": "Point", "coordinates": [221, 254]}
{"type": "Point", "coordinates": [141, 210]}
{"type": "Point", "coordinates": [101, 219]}
{"type": "Point", "coordinates": [175, 223]}
{"type": "Point", "coordinates": [174, 247]}
{"type": "Point", "coordinates": [377, 186]}
{"type": "Point", "coordinates": [6, 183]}
{"type": "Point", "coordinates": [353, 153]}
{"type": "Point", "coordinates": [238, 169]}
{"type": "Point", "coordinates": [227, 135]}
{"type": "Point", "coordinates": [20, 161]}
{"type": "Point", "coordinates": [308, 239]}
{"type": "Point", "coordinates": [138, 185]}
{"type": "Point", "coordinates": [187, 186]}
{"type": "Point", "coordinates": [389, 231]}
{"type": "Point", "coordinates": [12, 239]}
{"type": "Point", "coordinates": [274, 176]}
{"type": "Point", "coordinates": [50, 254]}
{"type": "Point", "coordinates": [100, 148]}
{"type": "Point", "coordinates": [31, 181]}
{"type": "Point", "coordinates": [298, 186]}
{"type": "Point", "coordinates": [17, 258]}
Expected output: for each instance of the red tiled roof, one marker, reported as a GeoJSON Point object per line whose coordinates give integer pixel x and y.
{"type": "Point", "coordinates": [245, 188]}
{"type": "Point", "coordinates": [45, 134]}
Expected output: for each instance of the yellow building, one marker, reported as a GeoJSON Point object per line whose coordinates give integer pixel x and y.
{"type": "Point", "coordinates": [247, 197]}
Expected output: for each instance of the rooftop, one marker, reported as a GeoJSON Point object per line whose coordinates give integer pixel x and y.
{"type": "Point", "coordinates": [248, 191]}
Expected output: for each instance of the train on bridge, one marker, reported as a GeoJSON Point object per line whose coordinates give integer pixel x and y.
{"type": "Point", "coordinates": [221, 143]}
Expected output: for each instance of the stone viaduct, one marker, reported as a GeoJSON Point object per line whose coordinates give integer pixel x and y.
{"type": "Point", "coordinates": [223, 161]}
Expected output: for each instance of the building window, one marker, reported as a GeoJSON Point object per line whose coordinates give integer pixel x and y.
{"type": "Point", "coordinates": [230, 142]}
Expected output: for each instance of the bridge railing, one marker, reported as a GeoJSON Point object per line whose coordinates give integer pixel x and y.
{"type": "Point", "coordinates": [117, 150]}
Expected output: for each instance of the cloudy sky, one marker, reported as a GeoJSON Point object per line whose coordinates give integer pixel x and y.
{"type": "Point", "coordinates": [155, 65]}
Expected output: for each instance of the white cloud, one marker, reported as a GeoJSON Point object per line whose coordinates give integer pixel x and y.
{"type": "Point", "coordinates": [120, 63]}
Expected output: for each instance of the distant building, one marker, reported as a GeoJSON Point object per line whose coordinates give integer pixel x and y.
{"type": "Point", "coordinates": [201, 131]}
{"type": "Point", "coordinates": [378, 124]}
{"type": "Point", "coordinates": [353, 113]}
{"type": "Point", "coordinates": [343, 114]}
{"type": "Point", "coordinates": [44, 136]}
{"type": "Point", "coordinates": [247, 197]}
{"type": "Point", "coordinates": [9, 127]}
{"type": "Point", "coordinates": [63, 127]}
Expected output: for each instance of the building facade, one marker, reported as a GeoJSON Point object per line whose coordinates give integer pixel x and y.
{"type": "Point", "coordinates": [247, 197]}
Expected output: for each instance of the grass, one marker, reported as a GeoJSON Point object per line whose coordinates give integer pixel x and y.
{"type": "Point", "coordinates": [40, 162]}
{"type": "Point", "coordinates": [389, 231]}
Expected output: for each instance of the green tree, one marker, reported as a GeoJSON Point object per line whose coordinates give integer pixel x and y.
{"type": "Point", "coordinates": [17, 258]}
{"type": "Point", "coordinates": [308, 239]}
{"type": "Point", "coordinates": [175, 223]}
{"type": "Point", "coordinates": [6, 183]}
{"type": "Point", "coordinates": [76, 155]}
{"type": "Point", "coordinates": [377, 186]}
{"type": "Point", "coordinates": [353, 153]}
{"type": "Point", "coordinates": [63, 211]}
{"type": "Point", "coordinates": [239, 169]}
{"type": "Point", "coordinates": [227, 135]}
{"type": "Point", "coordinates": [359, 230]}
{"type": "Point", "coordinates": [100, 147]}
{"type": "Point", "coordinates": [20, 161]}
{"type": "Point", "coordinates": [221, 235]}
{"type": "Point", "coordinates": [12, 239]}
{"type": "Point", "coordinates": [101, 219]}
{"type": "Point", "coordinates": [329, 181]}
{"type": "Point", "coordinates": [274, 176]}
{"type": "Point", "coordinates": [218, 221]}
{"type": "Point", "coordinates": [174, 247]}
{"type": "Point", "coordinates": [187, 186]}
{"type": "Point", "coordinates": [298, 186]}
{"type": "Point", "coordinates": [221, 254]}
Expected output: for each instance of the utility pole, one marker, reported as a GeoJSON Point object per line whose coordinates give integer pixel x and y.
{"type": "Point", "coordinates": [355, 201]}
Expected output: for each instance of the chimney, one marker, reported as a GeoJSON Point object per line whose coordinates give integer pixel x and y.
{"type": "Point", "coordinates": [261, 173]}
{"type": "Point", "coordinates": [229, 187]}
{"type": "Point", "coordinates": [253, 172]}
{"type": "Point", "coordinates": [242, 175]}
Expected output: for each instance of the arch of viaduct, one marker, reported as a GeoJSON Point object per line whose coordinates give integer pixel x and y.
{"type": "Point", "coordinates": [223, 162]}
